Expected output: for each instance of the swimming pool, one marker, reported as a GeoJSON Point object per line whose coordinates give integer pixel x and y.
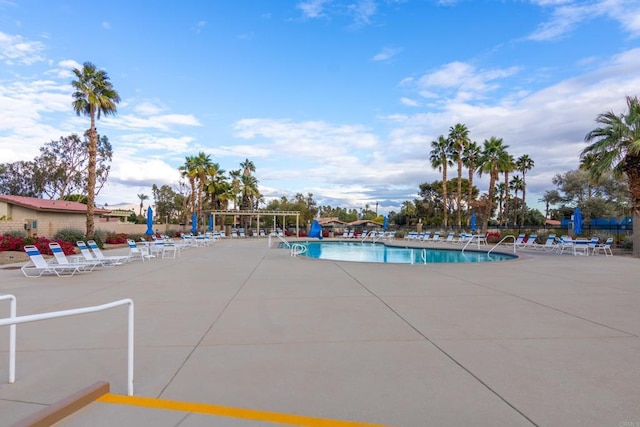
{"type": "Point", "coordinates": [381, 253]}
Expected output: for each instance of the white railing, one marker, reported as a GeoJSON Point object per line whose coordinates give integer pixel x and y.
{"type": "Point", "coordinates": [282, 239]}
{"type": "Point", "coordinates": [478, 238]}
{"type": "Point", "coordinates": [508, 236]}
{"type": "Point", "coordinates": [13, 320]}
{"type": "Point", "coordinates": [298, 249]}
{"type": "Point", "coordinates": [12, 338]}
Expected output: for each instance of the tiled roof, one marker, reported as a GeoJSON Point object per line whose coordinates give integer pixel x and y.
{"type": "Point", "coordinates": [48, 205]}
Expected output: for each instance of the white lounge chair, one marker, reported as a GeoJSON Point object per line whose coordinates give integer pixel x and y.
{"type": "Point", "coordinates": [519, 239]}
{"type": "Point", "coordinates": [449, 238]}
{"type": "Point", "coordinates": [62, 259]}
{"type": "Point", "coordinates": [436, 237]}
{"type": "Point", "coordinates": [37, 265]}
{"type": "Point", "coordinates": [137, 252]}
{"type": "Point", "coordinates": [549, 244]}
{"type": "Point", "coordinates": [530, 243]}
{"type": "Point", "coordinates": [605, 247]}
{"type": "Point", "coordinates": [109, 260]}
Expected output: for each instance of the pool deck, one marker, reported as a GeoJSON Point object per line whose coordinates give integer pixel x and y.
{"type": "Point", "coordinates": [544, 340]}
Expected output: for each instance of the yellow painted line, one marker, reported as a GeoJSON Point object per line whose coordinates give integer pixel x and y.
{"type": "Point", "coordinates": [226, 411]}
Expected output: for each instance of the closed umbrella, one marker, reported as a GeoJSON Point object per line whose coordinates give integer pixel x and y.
{"type": "Point", "coordinates": [194, 223]}
{"type": "Point", "coordinates": [473, 223]}
{"type": "Point", "coordinates": [577, 221]}
{"type": "Point", "coordinates": [149, 231]}
{"type": "Point", "coordinates": [385, 223]}
{"type": "Point", "coordinates": [210, 222]}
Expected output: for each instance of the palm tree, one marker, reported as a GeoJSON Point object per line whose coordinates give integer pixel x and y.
{"type": "Point", "coordinates": [506, 165]}
{"type": "Point", "coordinates": [215, 184]}
{"type": "Point", "coordinates": [493, 152]}
{"type": "Point", "coordinates": [249, 192]}
{"type": "Point", "coordinates": [94, 96]}
{"type": "Point", "coordinates": [235, 186]}
{"type": "Point", "coordinates": [516, 184]}
{"type": "Point", "coordinates": [189, 171]}
{"type": "Point", "coordinates": [247, 167]}
{"type": "Point", "coordinates": [615, 146]}
{"type": "Point", "coordinates": [142, 198]}
{"type": "Point", "coordinates": [202, 163]}
{"type": "Point", "coordinates": [470, 157]}
{"type": "Point", "coordinates": [501, 190]}
{"type": "Point", "coordinates": [550, 197]}
{"type": "Point", "coordinates": [458, 140]}
{"type": "Point", "coordinates": [524, 164]}
{"type": "Point", "coordinates": [439, 158]}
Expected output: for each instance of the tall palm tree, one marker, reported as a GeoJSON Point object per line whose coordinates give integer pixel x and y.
{"type": "Point", "coordinates": [249, 193]}
{"type": "Point", "coordinates": [524, 164]}
{"type": "Point", "coordinates": [247, 167]}
{"type": "Point", "coordinates": [506, 165]}
{"type": "Point", "coordinates": [214, 185]}
{"type": "Point", "coordinates": [501, 190]}
{"type": "Point", "coordinates": [93, 96]}
{"type": "Point", "coordinates": [470, 157]}
{"type": "Point", "coordinates": [550, 197]}
{"type": "Point", "coordinates": [615, 146]}
{"type": "Point", "coordinates": [235, 186]}
{"type": "Point", "coordinates": [439, 158]}
{"type": "Point", "coordinates": [202, 163]}
{"type": "Point", "coordinates": [142, 198]}
{"type": "Point", "coordinates": [493, 152]}
{"type": "Point", "coordinates": [458, 140]}
{"type": "Point", "coordinates": [516, 184]}
{"type": "Point", "coordinates": [189, 171]}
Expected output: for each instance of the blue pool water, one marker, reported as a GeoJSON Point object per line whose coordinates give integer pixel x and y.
{"type": "Point", "coordinates": [380, 253]}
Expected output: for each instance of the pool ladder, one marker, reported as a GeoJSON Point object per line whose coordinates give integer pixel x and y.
{"type": "Point", "coordinates": [298, 249]}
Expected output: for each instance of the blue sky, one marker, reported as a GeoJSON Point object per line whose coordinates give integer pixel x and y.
{"type": "Point", "coordinates": [336, 98]}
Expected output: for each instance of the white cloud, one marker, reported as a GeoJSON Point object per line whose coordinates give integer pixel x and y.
{"type": "Point", "coordinates": [386, 54]}
{"type": "Point", "coordinates": [409, 102]}
{"type": "Point", "coordinates": [15, 49]}
{"type": "Point", "coordinates": [313, 8]}
{"type": "Point", "coordinates": [567, 15]}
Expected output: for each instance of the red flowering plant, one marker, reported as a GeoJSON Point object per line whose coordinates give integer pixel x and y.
{"type": "Point", "coordinates": [493, 237]}
{"type": "Point", "coordinates": [12, 243]}
{"type": "Point", "coordinates": [116, 239]}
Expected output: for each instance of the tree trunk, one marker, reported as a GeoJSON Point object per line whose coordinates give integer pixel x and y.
{"type": "Point", "coordinates": [632, 169]}
{"type": "Point", "coordinates": [444, 194]}
{"type": "Point", "coordinates": [459, 195]}
{"type": "Point", "coordinates": [91, 179]}
{"type": "Point", "coordinates": [524, 204]}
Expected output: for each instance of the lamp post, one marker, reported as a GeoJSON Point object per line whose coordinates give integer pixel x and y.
{"type": "Point", "coordinates": [376, 209]}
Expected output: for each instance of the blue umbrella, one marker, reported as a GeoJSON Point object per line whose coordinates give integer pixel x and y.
{"type": "Point", "coordinates": [316, 230]}
{"type": "Point", "coordinates": [149, 231]}
{"type": "Point", "coordinates": [385, 223]}
{"type": "Point", "coordinates": [210, 222]}
{"type": "Point", "coordinates": [194, 223]}
{"type": "Point", "coordinates": [473, 223]}
{"type": "Point", "coordinates": [577, 221]}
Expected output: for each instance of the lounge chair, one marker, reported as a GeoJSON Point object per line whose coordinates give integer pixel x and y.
{"type": "Point", "coordinates": [109, 260]}
{"type": "Point", "coordinates": [137, 252]}
{"type": "Point", "coordinates": [530, 243]}
{"type": "Point", "coordinates": [62, 259]}
{"type": "Point", "coordinates": [449, 238]}
{"type": "Point", "coordinates": [605, 247]}
{"type": "Point", "coordinates": [549, 244]}
{"type": "Point", "coordinates": [436, 237]}
{"type": "Point", "coordinates": [519, 239]}
{"type": "Point", "coordinates": [88, 256]}
{"type": "Point", "coordinates": [39, 266]}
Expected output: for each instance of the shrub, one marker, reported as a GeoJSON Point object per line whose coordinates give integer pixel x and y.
{"type": "Point", "coordinates": [116, 239]}
{"type": "Point", "coordinates": [69, 235]}
{"type": "Point", "coordinates": [11, 243]}
{"type": "Point", "coordinates": [17, 233]}
{"type": "Point", "coordinates": [493, 237]}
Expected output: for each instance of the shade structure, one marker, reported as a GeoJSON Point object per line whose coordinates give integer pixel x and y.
{"type": "Point", "coordinates": [473, 223]}
{"type": "Point", "coordinates": [210, 222]}
{"type": "Point", "coordinates": [194, 222]}
{"type": "Point", "coordinates": [149, 231]}
{"type": "Point", "coordinates": [577, 221]}
{"type": "Point", "coordinates": [385, 223]}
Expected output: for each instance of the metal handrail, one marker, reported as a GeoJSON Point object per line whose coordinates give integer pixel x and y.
{"type": "Point", "coordinates": [423, 255]}
{"type": "Point", "coordinates": [502, 240]}
{"type": "Point", "coordinates": [477, 237]}
{"type": "Point", "coordinates": [12, 337]}
{"type": "Point", "coordinates": [298, 249]}
{"type": "Point", "coordinates": [282, 239]}
{"type": "Point", "coordinates": [14, 320]}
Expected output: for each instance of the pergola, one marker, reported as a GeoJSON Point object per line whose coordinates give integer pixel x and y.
{"type": "Point", "coordinates": [258, 214]}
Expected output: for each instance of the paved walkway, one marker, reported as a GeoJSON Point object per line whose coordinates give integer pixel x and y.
{"type": "Point", "coordinates": [545, 340]}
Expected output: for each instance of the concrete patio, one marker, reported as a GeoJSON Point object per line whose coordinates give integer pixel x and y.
{"type": "Point", "coordinates": [544, 340]}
